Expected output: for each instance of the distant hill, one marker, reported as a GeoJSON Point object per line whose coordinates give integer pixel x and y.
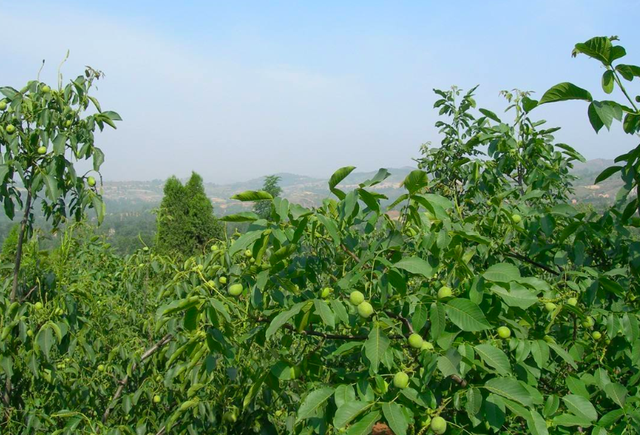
{"type": "Point", "coordinates": [310, 191]}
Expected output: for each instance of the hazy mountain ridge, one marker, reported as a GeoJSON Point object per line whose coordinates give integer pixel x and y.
{"type": "Point", "coordinates": [309, 191]}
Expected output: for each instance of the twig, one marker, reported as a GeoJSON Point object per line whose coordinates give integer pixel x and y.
{"type": "Point", "coordinates": [514, 254]}
{"type": "Point", "coordinates": [351, 254]}
{"type": "Point", "coordinates": [458, 380]}
{"type": "Point", "coordinates": [28, 294]}
{"type": "Point", "coordinates": [404, 320]}
{"type": "Point", "coordinates": [153, 349]}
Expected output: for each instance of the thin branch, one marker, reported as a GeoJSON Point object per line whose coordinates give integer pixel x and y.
{"type": "Point", "coordinates": [25, 297]}
{"type": "Point", "coordinates": [515, 255]}
{"type": "Point", "coordinates": [351, 254]}
{"type": "Point", "coordinates": [404, 320]}
{"type": "Point", "coordinates": [153, 349]}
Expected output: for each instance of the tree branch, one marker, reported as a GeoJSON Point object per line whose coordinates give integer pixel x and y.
{"type": "Point", "coordinates": [153, 349]}
{"type": "Point", "coordinates": [517, 256]}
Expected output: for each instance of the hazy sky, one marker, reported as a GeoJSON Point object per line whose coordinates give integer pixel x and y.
{"type": "Point", "coordinates": [240, 89]}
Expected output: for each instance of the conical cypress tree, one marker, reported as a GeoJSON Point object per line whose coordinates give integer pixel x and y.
{"type": "Point", "coordinates": [185, 220]}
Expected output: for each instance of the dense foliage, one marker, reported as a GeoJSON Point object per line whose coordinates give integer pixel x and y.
{"type": "Point", "coordinates": [186, 222]}
{"type": "Point", "coordinates": [490, 305]}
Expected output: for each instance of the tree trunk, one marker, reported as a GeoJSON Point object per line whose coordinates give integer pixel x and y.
{"type": "Point", "coordinates": [23, 229]}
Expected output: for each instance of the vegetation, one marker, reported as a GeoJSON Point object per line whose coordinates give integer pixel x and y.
{"type": "Point", "coordinates": [490, 305]}
{"type": "Point", "coordinates": [263, 208]}
{"type": "Point", "coordinates": [186, 223]}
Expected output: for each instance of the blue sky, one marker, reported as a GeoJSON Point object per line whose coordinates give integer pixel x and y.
{"type": "Point", "coordinates": [237, 90]}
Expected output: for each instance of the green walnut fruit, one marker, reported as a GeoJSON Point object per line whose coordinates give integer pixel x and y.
{"type": "Point", "coordinates": [3, 105]}
{"type": "Point", "coordinates": [101, 368]}
{"type": "Point", "coordinates": [91, 181]}
{"type": "Point", "coordinates": [588, 322]}
{"type": "Point", "coordinates": [401, 380]}
{"type": "Point", "coordinates": [42, 150]}
{"type": "Point", "coordinates": [550, 306]}
{"type": "Point", "coordinates": [235, 289]}
{"type": "Point", "coordinates": [156, 399]}
{"type": "Point", "coordinates": [596, 335]}
{"type": "Point", "coordinates": [504, 332]}
{"type": "Point", "coordinates": [10, 129]}
{"type": "Point", "coordinates": [415, 341]}
{"type": "Point", "coordinates": [222, 279]}
{"type": "Point", "coordinates": [445, 292]}
{"type": "Point", "coordinates": [326, 292]}
{"type": "Point", "coordinates": [38, 305]}
{"type": "Point", "coordinates": [214, 248]}
{"type": "Point", "coordinates": [438, 425]}
{"type": "Point", "coordinates": [229, 417]}
{"type": "Point", "coordinates": [572, 301]}
{"type": "Point", "coordinates": [365, 309]}
{"type": "Point", "coordinates": [68, 123]}
{"type": "Point", "coordinates": [427, 346]}
{"type": "Point", "coordinates": [29, 333]}
{"type": "Point", "coordinates": [516, 218]}
{"type": "Point", "coordinates": [248, 253]}
{"type": "Point", "coordinates": [356, 297]}
{"type": "Point", "coordinates": [46, 89]}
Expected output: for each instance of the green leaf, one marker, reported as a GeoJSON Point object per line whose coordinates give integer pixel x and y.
{"type": "Point", "coordinates": [509, 388]}
{"type": "Point", "coordinates": [415, 265]}
{"type": "Point", "coordinates": [437, 317]}
{"type": "Point", "coordinates": [331, 227]}
{"type": "Point", "coordinates": [313, 402]}
{"type": "Point", "coordinates": [466, 315]}
{"type": "Point", "coordinates": [98, 159]}
{"type": "Point", "coordinates": [495, 358]}
{"type": "Point", "coordinates": [489, 114]}
{"type": "Point", "coordinates": [364, 426]}
{"type": "Point", "coordinates": [598, 48]}
{"type": "Point", "coordinates": [59, 143]}
{"type": "Point", "coordinates": [449, 364]}
{"type": "Point", "coordinates": [594, 118]}
{"type": "Point", "coordinates": [380, 176]}
{"type": "Point", "coordinates": [245, 216]}
{"type": "Point", "coordinates": [518, 295]}
{"type": "Point", "coordinates": [395, 418]}
{"type": "Point", "coordinates": [244, 241]}
{"type": "Point", "coordinates": [52, 186]}
{"type": "Point", "coordinates": [529, 104]}
{"type": "Point", "coordinates": [581, 407]}
{"type": "Point", "coordinates": [571, 420]}
{"type": "Point", "coordinates": [565, 91]}
{"type": "Point", "coordinates": [536, 424]}
{"type": "Point", "coordinates": [45, 340]}
{"type": "Point", "coordinates": [502, 272]}
{"type": "Point", "coordinates": [344, 393]}
{"type": "Point", "coordinates": [322, 308]}
{"type": "Point", "coordinates": [252, 195]}
{"type": "Point", "coordinates": [337, 177]}
{"type": "Point", "coordinates": [283, 318]}
{"type": "Point", "coordinates": [617, 393]}
{"type": "Point", "coordinates": [415, 181]}
{"type": "Point", "coordinates": [607, 173]}
{"type": "Point", "coordinates": [348, 411]}
{"type": "Point", "coordinates": [563, 354]}
{"type": "Point", "coordinates": [375, 347]}
{"type": "Point", "coordinates": [628, 71]}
